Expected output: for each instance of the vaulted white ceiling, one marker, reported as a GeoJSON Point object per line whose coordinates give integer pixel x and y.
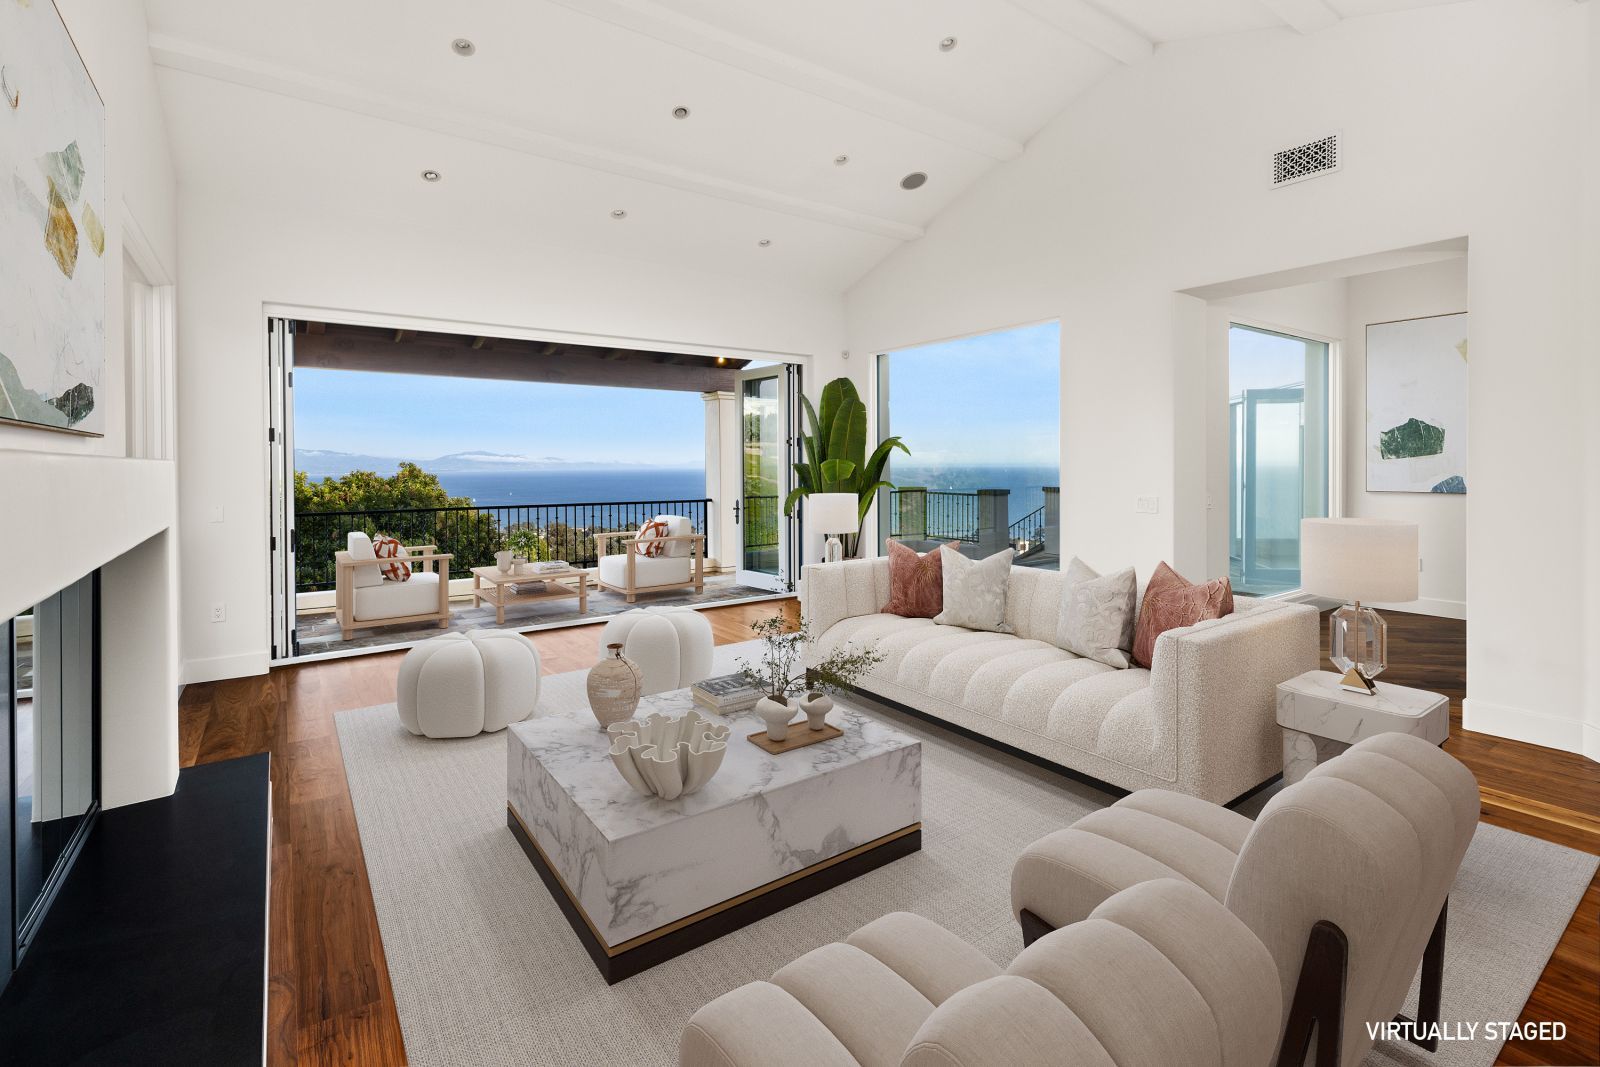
{"type": "Point", "coordinates": [564, 112]}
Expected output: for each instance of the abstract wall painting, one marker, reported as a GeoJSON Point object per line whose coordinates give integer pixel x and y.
{"type": "Point", "coordinates": [52, 237]}
{"type": "Point", "coordinates": [1416, 434]}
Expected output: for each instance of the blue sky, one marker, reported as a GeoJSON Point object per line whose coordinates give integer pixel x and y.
{"type": "Point", "coordinates": [419, 417]}
{"type": "Point", "coordinates": [1261, 360]}
{"type": "Point", "coordinates": [993, 399]}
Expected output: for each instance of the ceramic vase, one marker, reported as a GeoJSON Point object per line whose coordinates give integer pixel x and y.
{"type": "Point", "coordinates": [503, 561]}
{"type": "Point", "coordinates": [776, 713]}
{"type": "Point", "coordinates": [665, 757]}
{"type": "Point", "coordinates": [614, 687]}
{"type": "Point", "coordinates": [816, 706]}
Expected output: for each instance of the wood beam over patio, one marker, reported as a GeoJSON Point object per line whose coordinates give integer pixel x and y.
{"type": "Point", "coordinates": [335, 346]}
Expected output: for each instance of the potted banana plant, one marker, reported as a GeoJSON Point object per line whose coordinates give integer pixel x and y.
{"type": "Point", "coordinates": [836, 459]}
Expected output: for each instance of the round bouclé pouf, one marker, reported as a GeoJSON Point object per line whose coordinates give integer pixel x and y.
{"type": "Point", "coordinates": [670, 646]}
{"type": "Point", "coordinates": [461, 685]}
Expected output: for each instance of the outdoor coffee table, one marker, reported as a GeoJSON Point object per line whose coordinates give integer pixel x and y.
{"type": "Point", "coordinates": [643, 880]}
{"type": "Point", "coordinates": [491, 585]}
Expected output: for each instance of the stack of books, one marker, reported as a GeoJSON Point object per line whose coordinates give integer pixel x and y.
{"type": "Point", "coordinates": [726, 693]}
{"type": "Point", "coordinates": [550, 566]}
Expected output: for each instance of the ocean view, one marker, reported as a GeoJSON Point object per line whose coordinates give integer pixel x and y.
{"type": "Point", "coordinates": [606, 484]}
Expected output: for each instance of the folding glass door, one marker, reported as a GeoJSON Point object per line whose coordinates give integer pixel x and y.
{"type": "Point", "coordinates": [768, 539]}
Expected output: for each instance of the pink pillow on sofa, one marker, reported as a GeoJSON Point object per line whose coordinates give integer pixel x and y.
{"type": "Point", "coordinates": [1172, 601]}
{"type": "Point", "coordinates": [916, 582]}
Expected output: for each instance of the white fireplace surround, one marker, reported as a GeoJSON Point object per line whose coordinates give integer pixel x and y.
{"type": "Point", "coordinates": [65, 516]}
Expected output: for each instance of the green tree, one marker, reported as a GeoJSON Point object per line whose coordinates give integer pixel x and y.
{"type": "Point", "coordinates": [411, 506]}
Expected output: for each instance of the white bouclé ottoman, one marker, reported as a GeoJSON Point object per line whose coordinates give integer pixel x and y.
{"type": "Point", "coordinates": [461, 685]}
{"type": "Point", "coordinates": [670, 646]}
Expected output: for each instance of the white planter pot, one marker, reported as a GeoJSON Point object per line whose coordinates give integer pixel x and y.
{"type": "Point", "coordinates": [776, 715]}
{"type": "Point", "coordinates": [816, 709]}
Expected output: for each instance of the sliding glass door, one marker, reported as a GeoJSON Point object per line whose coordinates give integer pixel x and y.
{"type": "Point", "coordinates": [1278, 418]}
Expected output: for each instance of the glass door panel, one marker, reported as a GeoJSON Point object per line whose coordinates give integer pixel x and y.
{"type": "Point", "coordinates": [764, 433]}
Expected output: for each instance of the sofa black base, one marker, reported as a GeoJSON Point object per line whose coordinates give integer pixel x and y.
{"type": "Point", "coordinates": [1037, 760]}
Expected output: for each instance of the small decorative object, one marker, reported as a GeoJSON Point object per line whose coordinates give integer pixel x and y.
{"type": "Point", "coordinates": [779, 674]}
{"type": "Point", "coordinates": [665, 757]}
{"type": "Point", "coordinates": [519, 564]}
{"type": "Point", "coordinates": [816, 707]}
{"type": "Point", "coordinates": [503, 561]}
{"type": "Point", "coordinates": [1356, 560]}
{"type": "Point", "coordinates": [834, 514]}
{"type": "Point", "coordinates": [1416, 431]}
{"type": "Point", "coordinates": [614, 686]}
{"type": "Point", "coordinates": [776, 713]}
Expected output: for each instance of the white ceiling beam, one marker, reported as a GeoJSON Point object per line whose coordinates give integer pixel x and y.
{"type": "Point", "coordinates": [1307, 16]}
{"type": "Point", "coordinates": [177, 54]}
{"type": "Point", "coordinates": [1093, 27]}
{"type": "Point", "coordinates": [715, 43]}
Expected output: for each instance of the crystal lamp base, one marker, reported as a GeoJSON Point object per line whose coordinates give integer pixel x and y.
{"type": "Point", "coordinates": [1358, 642]}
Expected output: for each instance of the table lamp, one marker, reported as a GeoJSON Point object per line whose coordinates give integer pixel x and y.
{"type": "Point", "coordinates": [1356, 560]}
{"type": "Point", "coordinates": [833, 514]}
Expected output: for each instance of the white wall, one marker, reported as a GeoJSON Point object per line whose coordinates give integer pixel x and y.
{"type": "Point", "coordinates": [75, 504]}
{"type": "Point", "coordinates": [1409, 293]}
{"type": "Point", "coordinates": [1590, 383]}
{"type": "Point", "coordinates": [1458, 120]}
{"type": "Point", "coordinates": [244, 248]}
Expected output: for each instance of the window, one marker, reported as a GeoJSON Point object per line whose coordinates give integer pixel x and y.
{"type": "Point", "coordinates": [981, 416]}
{"type": "Point", "coordinates": [1278, 407]}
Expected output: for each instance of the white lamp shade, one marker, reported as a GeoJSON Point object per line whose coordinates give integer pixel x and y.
{"type": "Point", "coordinates": [833, 513]}
{"type": "Point", "coordinates": [1372, 560]}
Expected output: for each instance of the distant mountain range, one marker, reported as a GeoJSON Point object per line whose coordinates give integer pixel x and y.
{"type": "Point", "coordinates": [321, 463]}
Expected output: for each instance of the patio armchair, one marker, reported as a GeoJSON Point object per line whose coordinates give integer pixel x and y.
{"type": "Point", "coordinates": [364, 598]}
{"type": "Point", "coordinates": [682, 561]}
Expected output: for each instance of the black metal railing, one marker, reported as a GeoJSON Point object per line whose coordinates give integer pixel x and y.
{"type": "Point", "coordinates": [1027, 528]}
{"type": "Point", "coordinates": [474, 534]}
{"type": "Point", "coordinates": [946, 516]}
{"type": "Point", "coordinates": [760, 521]}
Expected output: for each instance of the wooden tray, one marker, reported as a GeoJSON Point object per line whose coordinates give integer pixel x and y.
{"type": "Point", "coordinates": [799, 737]}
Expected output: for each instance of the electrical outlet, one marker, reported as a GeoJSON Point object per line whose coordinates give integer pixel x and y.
{"type": "Point", "coordinates": [219, 612]}
{"type": "Point", "coordinates": [216, 513]}
{"type": "Point", "coordinates": [1147, 505]}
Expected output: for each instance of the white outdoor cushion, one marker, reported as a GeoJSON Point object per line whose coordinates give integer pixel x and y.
{"type": "Point", "coordinates": [388, 600]}
{"type": "Point", "coordinates": [461, 685]}
{"type": "Point", "coordinates": [648, 571]}
{"type": "Point", "coordinates": [677, 526]}
{"type": "Point", "coordinates": [670, 646]}
{"type": "Point", "coordinates": [359, 545]}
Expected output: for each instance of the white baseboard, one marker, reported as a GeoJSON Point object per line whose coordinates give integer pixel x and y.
{"type": "Point", "coordinates": [217, 668]}
{"type": "Point", "coordinates": [1533, 727]}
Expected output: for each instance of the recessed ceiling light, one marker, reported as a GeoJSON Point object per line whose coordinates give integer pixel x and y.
{"type": "Point", "coordinates": [840, 160]}
{"type": "Point", "coordinates": [431, 175]}
{"type": "Point", "coordinates": [764, 242]}
{"type": "Point", "coordinates": [462, 47]}
{"type": "Point", "coordinates": [947, 45]}
{"type": "Point", "coordinates": [915, 180]}
{"type": "Point", "coordinates": [618, 213]}
{"type": "Point", "coordinates": [680, 112]}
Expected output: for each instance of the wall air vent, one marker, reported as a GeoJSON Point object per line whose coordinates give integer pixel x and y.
{"type": "Point", "coordinates": [1310, 160]}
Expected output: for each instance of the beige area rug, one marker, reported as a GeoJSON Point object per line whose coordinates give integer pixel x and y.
{"type": "Point", "coordinates": [486, 970]}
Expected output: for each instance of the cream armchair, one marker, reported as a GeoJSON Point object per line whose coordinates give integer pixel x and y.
{"type": "Point", "coordinates": [1159, 974]}
{"type": "Point", "coordinates": [681, 563]}
{"type": "Point", "coordinates": [364, 598]}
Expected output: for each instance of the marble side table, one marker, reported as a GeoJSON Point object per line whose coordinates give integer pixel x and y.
{"type": "Point", "coordinates": [1321, 720]}
{"type": "Point", "coordinates": [641, 880]}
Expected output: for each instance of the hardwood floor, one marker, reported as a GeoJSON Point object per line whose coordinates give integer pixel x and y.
{"type": "Point", "coordinates": [330, 1001]}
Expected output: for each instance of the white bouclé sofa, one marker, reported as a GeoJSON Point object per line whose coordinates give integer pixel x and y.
{"type": "Point", "coordinates": [1200, 721]}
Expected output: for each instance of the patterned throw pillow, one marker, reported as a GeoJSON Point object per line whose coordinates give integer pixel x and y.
{"type": "Point", "coordinates": [916, 582]}
{"type": "Point", "coordinates": [1172, 601]}
{"type": "Point", "coordinates": [975, 590]}
{"type": "Point", "coordinates": [388, 548]}
{"type": "Point", "coordinates": [650, 544]}
{"type": "Point", "coordinates": [1097, 614]}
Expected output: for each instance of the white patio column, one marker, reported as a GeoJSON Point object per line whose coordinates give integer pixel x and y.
{"type": "Point", "coordinates": [724, 480]}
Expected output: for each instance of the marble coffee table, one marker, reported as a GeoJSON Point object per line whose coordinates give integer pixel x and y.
{"type": "Point", "coordinates": [1320, 719]}
{"type": "Point", "coordinates": [642, 880]}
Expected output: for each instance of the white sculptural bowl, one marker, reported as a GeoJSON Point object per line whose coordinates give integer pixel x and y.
{"type": "Point", "coordinates": [665, 757]}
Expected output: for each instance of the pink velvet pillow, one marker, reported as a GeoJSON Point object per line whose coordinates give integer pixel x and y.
{"type": "Point", "coordinates": [1172, 601]}
{"type": "Point", "coordinates": [916, 583]}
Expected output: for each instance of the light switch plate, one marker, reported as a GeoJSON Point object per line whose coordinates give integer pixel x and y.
{"type": "Point", "coordinates": [1147, 505]}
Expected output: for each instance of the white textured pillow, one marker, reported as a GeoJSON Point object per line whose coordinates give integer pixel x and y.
{"type": "Point", "coordinates": [1097, 614]}
{"type": "Point", "coordinates": [975, 590]}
